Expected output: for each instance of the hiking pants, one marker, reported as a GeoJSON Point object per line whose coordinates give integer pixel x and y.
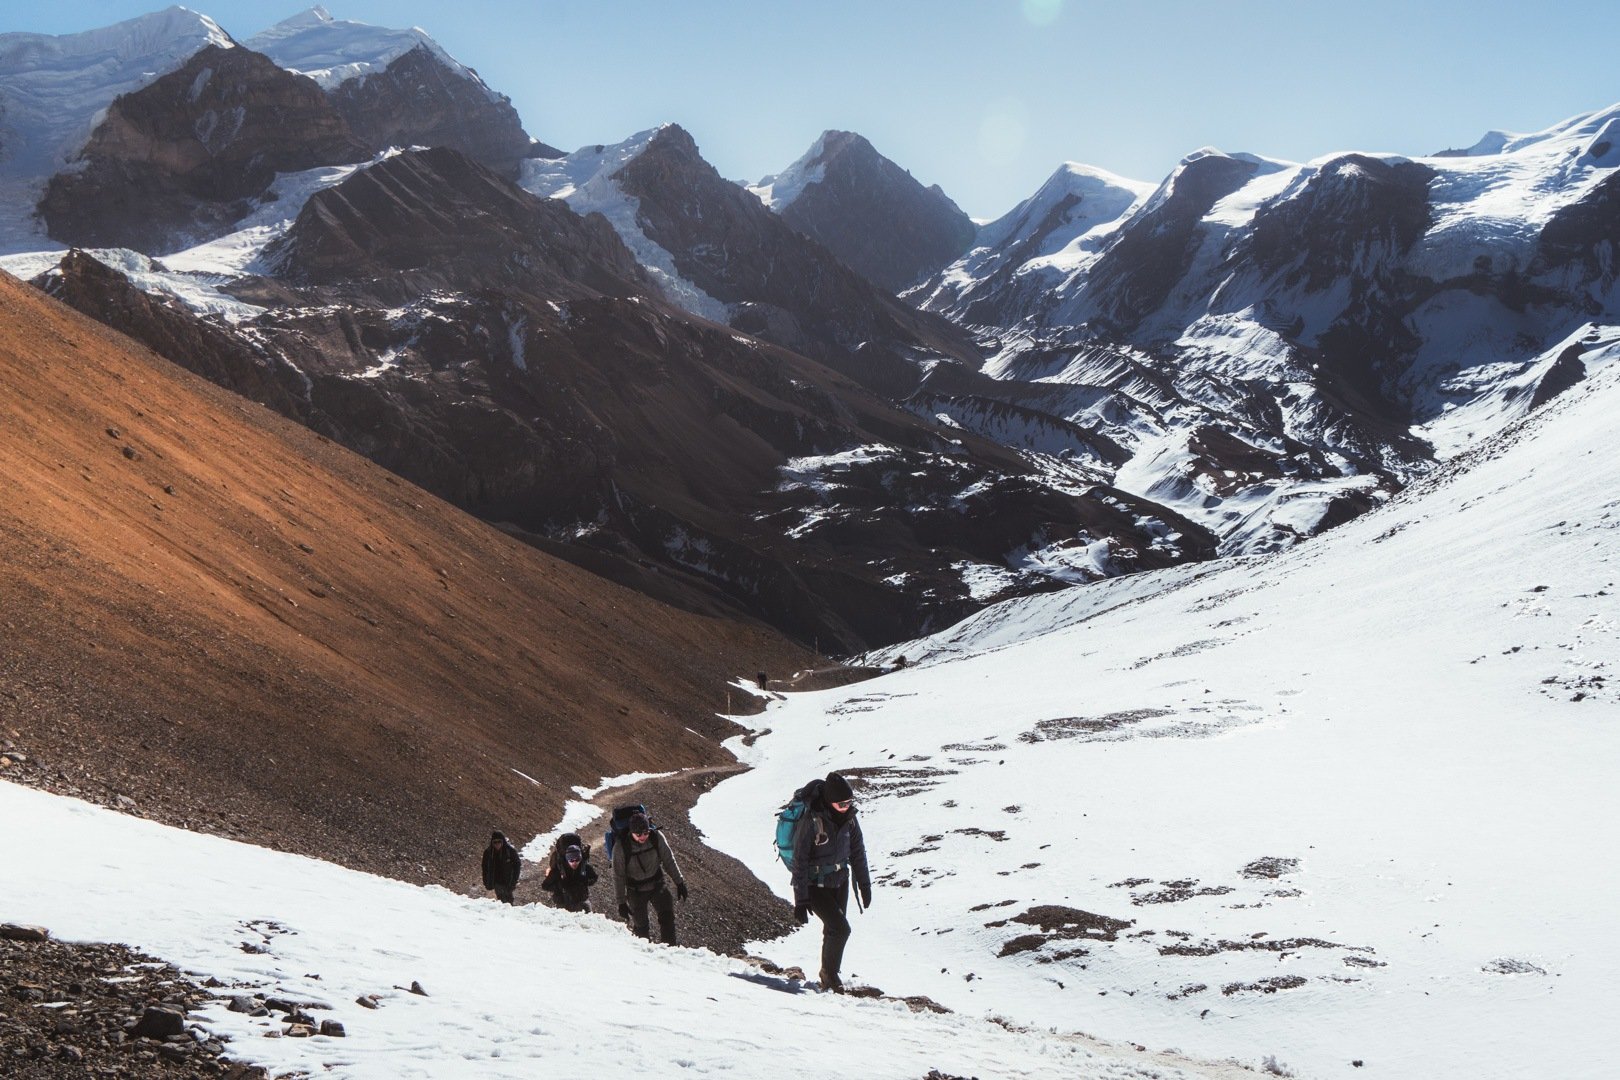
{"type": "Point", "coordinates": [829, 904]}
{"type": "Point", "coordinates": [662, 902]}
{"type": "Point", "coordinates": [504, 894]}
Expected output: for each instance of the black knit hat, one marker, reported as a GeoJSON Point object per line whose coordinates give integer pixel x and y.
{"type": "Point", "coordinates": [640, 824]}
{"type": "Point", "coordinates": [496, 835]}
{"type": "Point", "coordinates": [836, 789]}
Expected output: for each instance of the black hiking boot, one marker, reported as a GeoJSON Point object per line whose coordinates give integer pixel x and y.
{"type": "Point", "coordinates": [831, 982]}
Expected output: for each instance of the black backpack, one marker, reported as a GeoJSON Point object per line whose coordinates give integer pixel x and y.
{"type": "Point", "coordinates": [562, 844]}
{"type": "Point", "coordinates": [619, 827]}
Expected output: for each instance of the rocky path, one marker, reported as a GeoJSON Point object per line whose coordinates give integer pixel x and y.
{"type": "Point", "coordinates": [728, 905]}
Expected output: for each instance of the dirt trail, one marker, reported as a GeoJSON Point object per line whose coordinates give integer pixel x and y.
{"type": "Point", "coordinates": [728, 905]}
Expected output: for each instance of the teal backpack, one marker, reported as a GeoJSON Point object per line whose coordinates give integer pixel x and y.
{"type": "Point", "coordinates": [787, 819]}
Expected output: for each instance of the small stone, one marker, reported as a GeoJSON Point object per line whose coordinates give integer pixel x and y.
{"type": "Point", "coordinates": [416, 988]}
{"type": "Point", "coordinates": [241, 1003]}
{"type": "Point", "coordinates": [333, 1028]}
{"type": "Point", "coordinates": [299, 1031]}
{"type": "Point", "coordinates": [71, 1054]}
{"type": "Point", "coordinates": [366, 1001]}
{"type": "Point", "coordinates": [131, 453]}
{"type": "Point", "coordinates": [279, 1005]}
{"type": "Point", "coordinates": [113, 432]}
{"type": "Point", "coordinates": [23, 932]}
{"type": "Point", "coordinates": [174, 1051]}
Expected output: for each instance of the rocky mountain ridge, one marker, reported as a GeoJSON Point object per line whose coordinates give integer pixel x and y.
{"type": "Point", "coordinates": [1379, 311]}
{"type": "Point", "coordinates": [1249, 353]}
{"type": "Point", "coordinates": [868, 211]}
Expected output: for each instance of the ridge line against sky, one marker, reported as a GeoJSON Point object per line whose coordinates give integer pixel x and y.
{"type": "Point", "coordinates": [986, 98]}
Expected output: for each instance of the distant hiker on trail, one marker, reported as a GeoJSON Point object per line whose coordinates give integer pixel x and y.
{"type": "Point", "coordinates": [641, 858]}
{"type": "Point", "coordinates": [502, 867]}
{"type": "Point", "coordinates": [570, 876]}
{"type": "Point", "coordinates": [827, 845]}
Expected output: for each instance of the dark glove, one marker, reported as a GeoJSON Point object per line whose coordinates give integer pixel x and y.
{"type": "Point", "coordinates": [801, 914]}
{"type": "Point", "coordinates": [680, 890]}
{"type": "Point", "coordinates": [624, 910]}
{"type": "Point", "coordinates": [866, 894]}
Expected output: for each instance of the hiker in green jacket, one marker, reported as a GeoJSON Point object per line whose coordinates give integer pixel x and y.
{"type": "Point", "coordinates": [640, 861]}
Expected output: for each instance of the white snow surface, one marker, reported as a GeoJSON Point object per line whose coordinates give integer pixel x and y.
{"type": "Point", "coordinates": [54, 89]}
{"type": "Point", "coordinates": [511, 992]}
{"type": "Point", "coordinates": [781, 190]}
{"type": "Point", "coordinates": [585, 180]}
{"type": "Point", "coordinates": [1048, 238]}
{"type": "Point", "coordinates": [333, 51]}
{"type": "Point", "coordinates": [1415, 717]}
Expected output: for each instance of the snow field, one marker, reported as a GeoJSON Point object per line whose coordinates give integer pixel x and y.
{"type": "Point", "coordinates": [510, 990]}
{"type": "Point", "coordinates": [1413, 707]}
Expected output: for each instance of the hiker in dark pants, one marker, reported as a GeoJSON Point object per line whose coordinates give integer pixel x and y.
{"type": "Point", "coordinates": [827, 845]}
{"type": "Point", "coordinates": [640, 862]}
{"type": "Point", "coordinates": [502, 867]}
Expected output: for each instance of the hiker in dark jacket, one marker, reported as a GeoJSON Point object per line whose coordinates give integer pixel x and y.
{"type": "Point", "coordinates": [827, 845]}
{"type": "Point", "coordinates": [502, 867]}
{"type": "Point", "coordinates": [570, 877]}
{"type": "Point", "coordinates": [640, 861]}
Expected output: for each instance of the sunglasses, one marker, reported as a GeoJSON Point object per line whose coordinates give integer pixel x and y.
{"type": "Point", "coordinates": [642, 833]}
{"type": "Point", "coordinates": [842, 806]}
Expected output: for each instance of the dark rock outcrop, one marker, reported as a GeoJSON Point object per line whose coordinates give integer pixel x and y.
{"type": "Point", "coordinates": [418, 101]}
{"type": "Point", "coordinates": [436, 219]}
{"type": "Point", "coordinates": [186, 156]}
{"type": "Point", "coordinates": [875, 217]}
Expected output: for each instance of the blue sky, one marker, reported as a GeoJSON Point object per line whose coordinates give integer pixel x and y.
{"type": "Point", "coordinates": [987, 97]}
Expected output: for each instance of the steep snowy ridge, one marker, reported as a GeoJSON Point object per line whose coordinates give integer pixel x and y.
{"type": "Point", "coordinates": [334, 51]}
{"type": "Point", "coordinates": [53, 90]}
{"type": "Point", "coordinates": [1050, 237]}
{"type": "Point", "coordinates": [1316, 807]}
{"type": "Point", "coordinates": [780, 190]}
{"type": "Point", "coordinates": [586, 180]}
{"type": "Point", "coordinates": [53, 87]}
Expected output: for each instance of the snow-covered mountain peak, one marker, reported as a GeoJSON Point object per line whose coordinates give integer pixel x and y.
{"type": "Point", "coordinates": [1088, 197]}
{"type": "Point", "coordinates": [584, 177]}
{"type": "Point", "coordinates": [52, 87]}
{"type": "Point", "coordinates": [587, 181]}
{"type": "Point", "coordinates": [333, 51]}
{"type": "Point", "coordinates": [1583, 129]}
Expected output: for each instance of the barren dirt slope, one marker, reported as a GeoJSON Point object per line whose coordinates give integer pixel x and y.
{"type": "Point", "coordinates": [247, 629]}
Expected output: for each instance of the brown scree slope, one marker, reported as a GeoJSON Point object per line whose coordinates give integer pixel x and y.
{"type": "Point", "coordinates": [250, 630]}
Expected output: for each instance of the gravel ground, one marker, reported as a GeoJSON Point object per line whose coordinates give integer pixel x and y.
{"type": "Point", "coordinates": [68, 1012]}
